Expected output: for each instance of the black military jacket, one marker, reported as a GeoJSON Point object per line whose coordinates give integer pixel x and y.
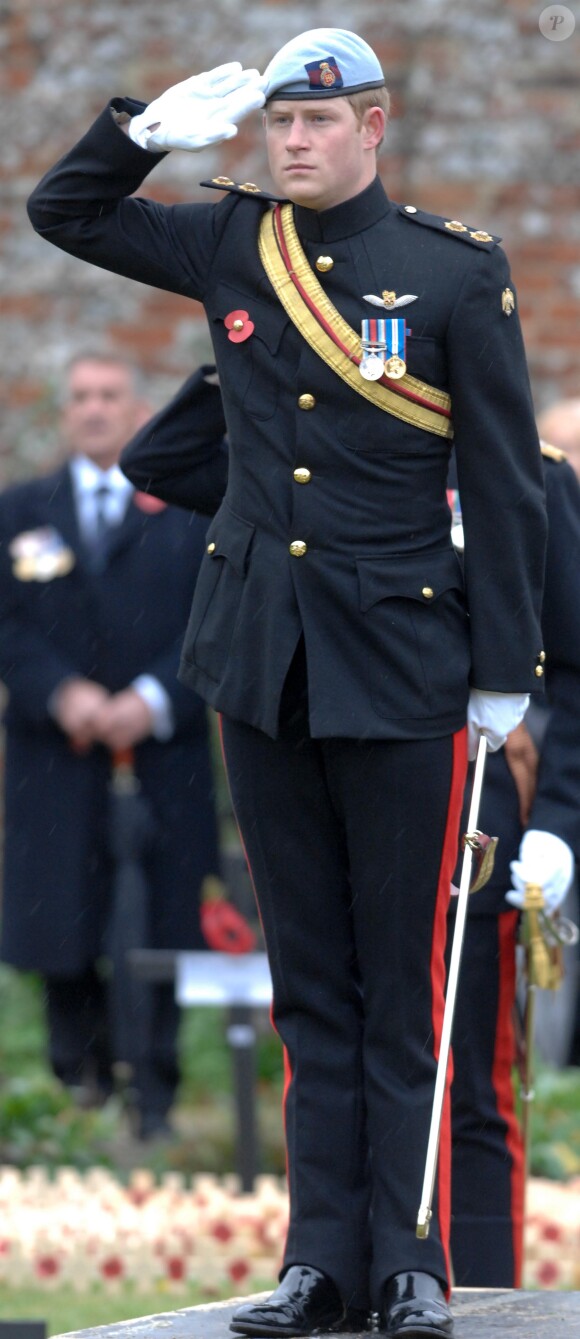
{"type": "Point", "coordinates": [394, 633]}
{"type": "Point", "coordinates": [556, 807]}
{"type": "Point", "coordinates": [556, 727]}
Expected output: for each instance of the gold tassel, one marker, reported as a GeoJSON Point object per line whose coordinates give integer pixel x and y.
{"type": "Point", "coordinates": [544, 959]}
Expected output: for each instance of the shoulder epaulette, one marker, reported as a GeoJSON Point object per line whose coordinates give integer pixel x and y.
{"type": "Point", "coordinates": [243, 188]}
{"type": "Point", "coordinates": [453, 227]}
{"type": "Point", "coordinates": [553, 452]}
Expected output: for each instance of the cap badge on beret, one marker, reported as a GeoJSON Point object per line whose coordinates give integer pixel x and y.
{"type": "Point", "coordinates": [323, 63]}
{"type": "Point", "coordinates": [324, 74]}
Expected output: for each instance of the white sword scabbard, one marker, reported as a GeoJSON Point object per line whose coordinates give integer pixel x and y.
{"type": "Point", "coordinates": [425, 1213]}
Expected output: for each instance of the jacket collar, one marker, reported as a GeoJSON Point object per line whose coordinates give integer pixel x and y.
{"type": "Point", "coordinates": [346, 219]}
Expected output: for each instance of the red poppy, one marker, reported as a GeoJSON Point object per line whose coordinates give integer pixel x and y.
{"type": "Point", "coordinates": [238, 1270]}
{"type": "Point", "coordinates": [239, 326]}
{"type": "Point", "coordinates": [548, 1274]}
{"type": "Point", "coordinates": [176, 1268]}
{"type": "Point", "coordinates": [222, 925]}
{"type": "Point", "coordinates": [47, 1266]}
{"type": "Point", "coordinates": [225, 929]}
{"type": "Point", "coordinates": [112, 1267]}
{"type": "Point", "coordinates": [149, 504]}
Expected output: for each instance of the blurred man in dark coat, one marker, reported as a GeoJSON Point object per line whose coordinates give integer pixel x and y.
{"type": "Point", "coordinates": [95, 587]}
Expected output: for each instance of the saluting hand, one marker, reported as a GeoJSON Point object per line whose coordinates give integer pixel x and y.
{"type": "Point", "coordinates": [199, 111]}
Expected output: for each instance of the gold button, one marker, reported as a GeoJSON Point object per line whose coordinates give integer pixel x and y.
{"type": "Point", "coordinates": [306, 401]}
{"type": "Point", "coordinates": [324, 264]}
{"type": "Point", "coordinates": [539, 672]}
{"type": "Point", "coordinates": [542, 657]}
{"type": "Point", "coordinates": [427, 592]}
{"type": "Point", "coordinates": [302, 475]}
{"type": "Point", "coordinates": [455, 226]}
{"type": "Point", "coordinates": [211, 548]}
{"type": "Point", "coordinates": [238, 325]}
{"type": "Point", "coordinates": [298, 548]}
{"type": "Point", "coordinates": [410, 209]}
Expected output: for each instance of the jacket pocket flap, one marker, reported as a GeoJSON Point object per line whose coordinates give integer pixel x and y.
{"type": "Point", "coordinates": [269, 321]}
{"type": "Point", "coordinates": [230, 536]}
{"type": "Point", "coordinates": [418, 577]}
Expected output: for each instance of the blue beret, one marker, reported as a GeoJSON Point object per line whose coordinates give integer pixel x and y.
{"type": "Point", "coordinates": [325, 63]}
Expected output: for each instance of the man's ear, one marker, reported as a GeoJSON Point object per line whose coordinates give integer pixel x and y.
{"type": "Point", "coordinates": [373, 127]}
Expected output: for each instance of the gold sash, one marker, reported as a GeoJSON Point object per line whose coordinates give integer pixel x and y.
{"type": "Point", "coordinates": [331, 337]}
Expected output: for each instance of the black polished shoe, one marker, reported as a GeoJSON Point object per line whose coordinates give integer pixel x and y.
{"type": "Point", "coordinates": [413, 1305]}
{"type": "Point", "coordinates": [306, 1302]}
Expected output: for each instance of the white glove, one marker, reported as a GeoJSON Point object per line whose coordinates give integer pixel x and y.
{"type": "Point", "coordinates": [544, 859]}
{"type": "Point", "coordinates": [200, 111]}
{"type": "Point", "coordinates": [493, 715]}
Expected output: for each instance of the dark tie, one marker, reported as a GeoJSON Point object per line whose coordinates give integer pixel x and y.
{"type": "Point", "coordinates": [97, 543]}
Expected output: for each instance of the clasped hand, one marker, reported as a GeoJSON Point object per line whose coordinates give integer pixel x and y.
{"type": "Point", "coordinates": [90, 715]}
{"type": "Point", "coordinates": [202, 110]}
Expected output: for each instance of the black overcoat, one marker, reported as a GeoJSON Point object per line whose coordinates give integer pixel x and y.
{"type": "Point", "coordinates": [394, 633]}
{"type": "Point", "coordinates": [111, 627]}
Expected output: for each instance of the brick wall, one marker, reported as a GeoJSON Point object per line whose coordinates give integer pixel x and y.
{"type": "Point", "coordinates": [485, 129]}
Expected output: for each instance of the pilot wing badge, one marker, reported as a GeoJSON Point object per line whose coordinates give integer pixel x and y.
{"type": "Point", "coordinates": [389, 300]}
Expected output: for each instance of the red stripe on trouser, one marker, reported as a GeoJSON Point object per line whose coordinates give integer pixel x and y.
{"type": "Point", "coordinates": [287, 1065]}
{"type": "Point", "coordinates": [503, 1060]}
{"type": "Point", "coordinates": [446, 870]}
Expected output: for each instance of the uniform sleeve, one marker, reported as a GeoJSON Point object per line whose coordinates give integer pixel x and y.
{"type": "Point", "coordinates": [85, 206]}
{"type": "Point", "coordinates": [557, 804]}
{"type": "Point", "coordinates": [499, 471]}
{"type": "Point", "coordinates": [188, 710]}
{"type": "Point", "coordinates": [180, 455]}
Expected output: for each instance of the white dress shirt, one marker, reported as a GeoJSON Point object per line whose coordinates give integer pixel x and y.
{"type": "Point", "coordinates": [88, 481]}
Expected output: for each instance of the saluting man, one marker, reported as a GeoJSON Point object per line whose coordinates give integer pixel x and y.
{"type": "Point", "coordinates": [332, 626]}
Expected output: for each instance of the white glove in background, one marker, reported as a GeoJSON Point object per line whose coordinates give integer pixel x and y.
{"type": "Point", "coordinates": [546, 860]}
{"type": "Point", "coordinates": [199, 111]}
{"type": "Point", "coordinates": [493, 715]}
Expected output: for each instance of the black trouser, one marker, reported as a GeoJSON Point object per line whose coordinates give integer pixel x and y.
{"type": "Point", "coordinates": [351, 846]}
{"type": "Point", "coordinates": [78, 1029]}
{"type": "Point", "coordinates": [488, 1163]}
{"type": "Point", "coordinates": [79, 1037]}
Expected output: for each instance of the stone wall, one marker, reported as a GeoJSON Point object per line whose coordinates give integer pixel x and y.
{"type": "Point", "coordinates": [485, 128]}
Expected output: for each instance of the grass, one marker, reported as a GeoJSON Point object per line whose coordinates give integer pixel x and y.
{"type": "Point", "coordinates": [39, 1123]}
{"type": "Point", "coordinates": [64, 1310]}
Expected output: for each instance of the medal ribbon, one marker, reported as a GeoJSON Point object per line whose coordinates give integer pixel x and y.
{"type": "Point", "coordinates": [373, 331]}
{"type": "Point", "coordinates": [286, 265]}
{"type": "Point", "coordinates": [395, 338]}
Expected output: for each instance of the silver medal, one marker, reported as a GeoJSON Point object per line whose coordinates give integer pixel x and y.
{"type": "Point", "coordinates": [372, 366]}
